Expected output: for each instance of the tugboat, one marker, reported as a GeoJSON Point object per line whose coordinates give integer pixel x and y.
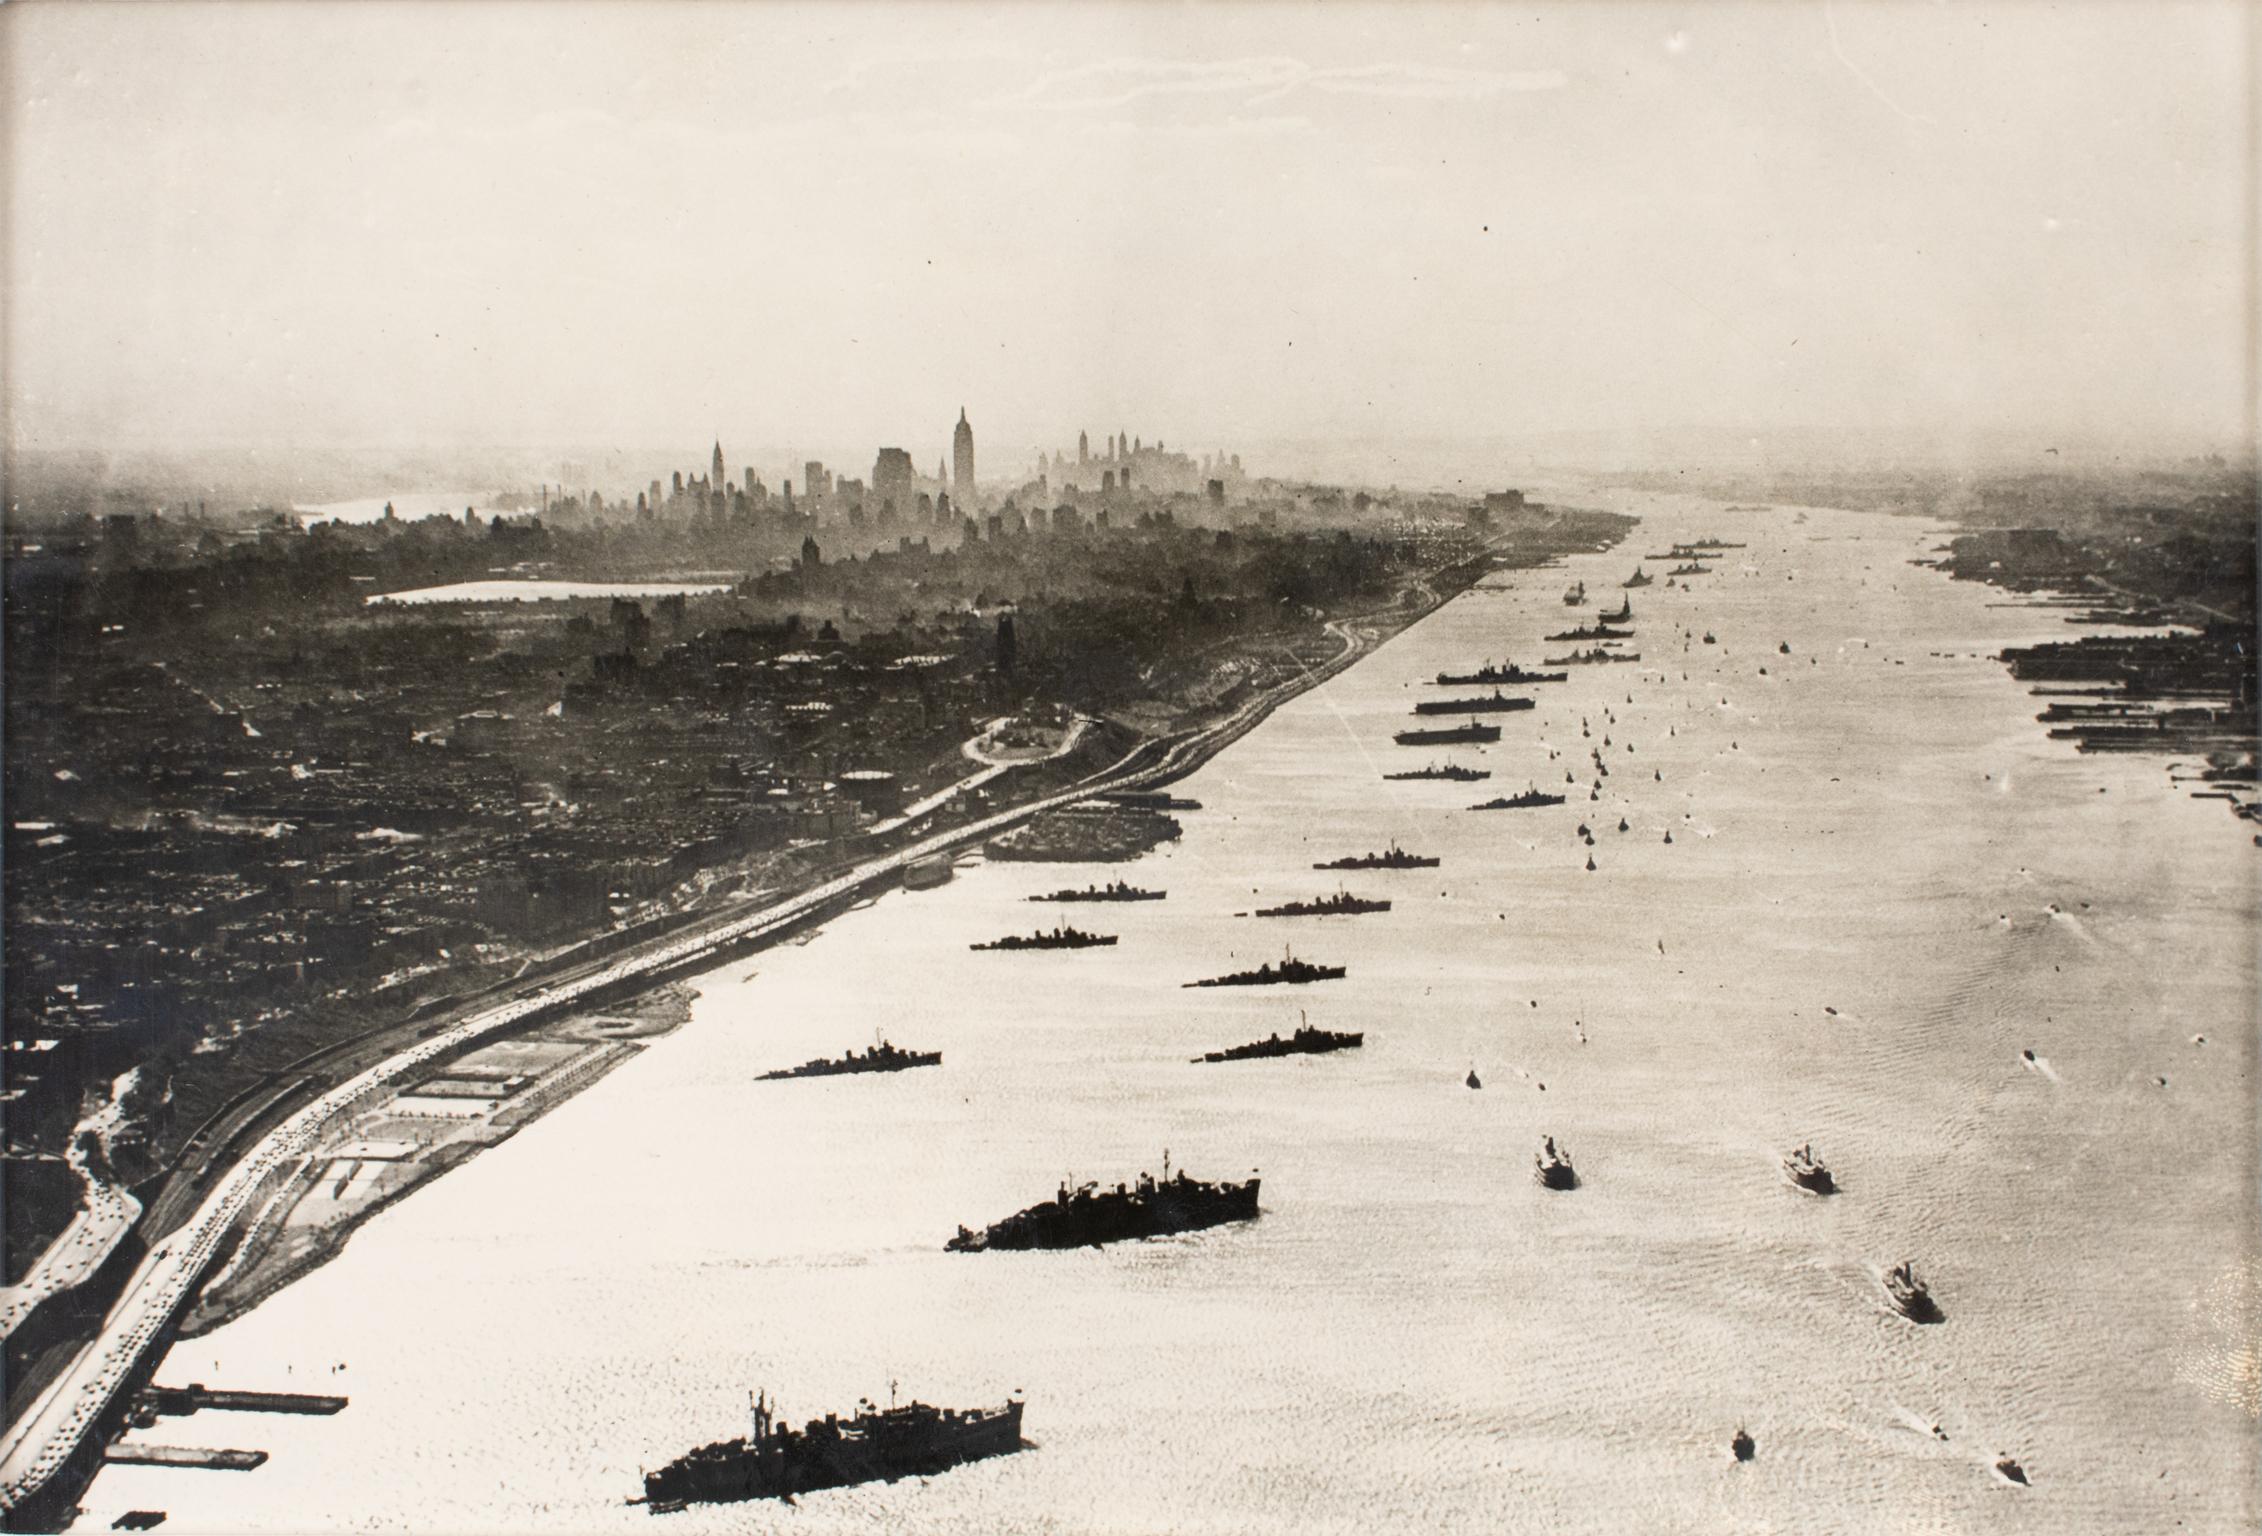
{"type": "Point", "coordinates": [1911, 1297]}
{"type": "Point", "coordinates": [1307, 1041]}
{"type": "Point", "coordinates": [1624, 615]}
{"type": "Point", "coordinates": [779, 1461]}
{"type": "Point", "coordinates": [1807, 1171]}
{"type": "Point", "coordinates": [1472, 1080]}
{"type": "Point", "coordinates": [883, 1057]}
{"type": "Point", "coordinates": [1289, 972]}
{"type": "Point", "coordinates": [1453, 771]}
{"type": "Point", "coordinates": [1061, 937]}
{"type": "Point", "coordinates": [1114, 890]}
{"type": "Point", "coordinates": [1594, 654]}
{"type": "Point", "coordinates": [1576, 596]}
{"type": "Point", "coordinates": [1552, 1167]}
{"type": "Point", "coordinates": [1341, 904]}
{"type": "Point", "coordinates": [1743, 1447]}
{"type": "Point", "coordinates": [1088, 1215]}
{"type": "Point", "coordinates": [1495, 703]}
{"type": "Point", "coordinates": [2010, 1471]}
{"type": "Point", "coordinates": [1450, 736]}
{"type": "Point", "coordinates": [1637, 579]}
{"type": "Point", "coordinates": [1525, 801]}
{"type": "Point", "coordinates": [1395, 858]}
{"type": "Point", "coordinates": [1492, 672]}
{"type": "Point", "coordinates": [1595, 631]}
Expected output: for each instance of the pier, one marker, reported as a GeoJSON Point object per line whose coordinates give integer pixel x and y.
{"type": "Point", "coordinates": [184, 1456]}
{"type": "Point", "coordinates": [196, 1395]}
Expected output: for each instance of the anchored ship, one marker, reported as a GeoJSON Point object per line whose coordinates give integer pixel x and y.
{"type": "Point", "coordinates": [1552, 1166]}
{"type": "Point", "coordinates": [1452, 771]}
{"type": "Point", "coordinates": [1808, 1172]}
{"type": "Point", "coordinates": [1062, 937]}
{"type": "Point", "coordinates": [878, 1444]}
{"type": "Point", "coordinates": [1592, 654]}
{"type": "Point", "coordinates": [1289, 972]}
{"type": "Point", "coordinates": [1114, 890]}
{"type": "Point", "coordinates": [1492, 672]}
{"type": "Point", "coordinates": [1394, 857]}
{"type": "Point", "coordinates": [1637, 579]}
{"type": "Point", "coordinates": [1531, 797]}
{"type": "Point", "coordinates": [1623, 614]}
{"type": "Point", "coordinates": [1341, 903]}
{"type": "Point", "coordinates": [1494, 703]}
{"type": "Point", "coordinates": [1307, 1041]}
{"type": "Point", "coordinates": [883, 1057]}
{"type": "Point", "coordinates": [1690, 569]}
{"type": "Point", "coordinates": [1911, 1297]}
{"type": "Point", "coordinates": [1597, 631]}
{"type": "Point", "coordinates": [1577, 594]}
{"type": "Point", "coordinates": [1088, 1215]}
{"type": "Point", "coordinates": [1449, 736]}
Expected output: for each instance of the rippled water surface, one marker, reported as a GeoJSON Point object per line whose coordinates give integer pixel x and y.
{"type": "Point", "coordinates": [1885, 884]}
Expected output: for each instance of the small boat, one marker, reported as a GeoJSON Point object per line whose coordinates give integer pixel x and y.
{"type": "Point", "coordinates": [1473, 1080]}
{"type": "Point", "coordinates": [1637, 579]}
{"type": "Point", "coordinates": [1808, 1172]}
{"type": "Point", "coordinates": [1743, 1446]}
{"type": "Point", "coordinates": [1708, 639]}
{"type": "Point", "coordinates": [1624, 613]}
{"type": "Point", "coordinates": [1576, 595]}
{"type": "Point", "coordinates": [1552, 1166]}
{"type": "Point", "coordinates": [1911, 1297]}
{"type": "Point", "coordinates": [2010, 1471]}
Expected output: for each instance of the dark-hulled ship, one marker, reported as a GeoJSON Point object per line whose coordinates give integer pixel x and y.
{"type": "Point", "coordinates": [1289, 972]}
{"type": "Point", "coordinates": [1911, 1297]}
{"type": "Point", "coordinates": [1576, 595]}
{"type": "Point", "coordinates": [1596, 631]}
{"type": "Point", "coordinates": [878, 1444]}
{"type": "Point", "coordinates": [1341, 904]}
{"type": "Point", "coordinates": [1496, 672]}
{"type": "Point", "coordinates": [1394, 857]}
{"type": "Point", "coordinates": [1062, 937]}
{"type": "Point", "coordinates": [1690, 569]}
{"type": "Point", "coordinates": [1622, 615]}
{"type": "Point", "coordinates": [1807, 1171]}
{"type": "Point", "coordinates": [1493, 703]}
{"type": "Point", "coordinates": [884, 1057]}
{"type": "Point", "coordinates": [1453, 771]}
{"type": "Point", "coordinates": [1307, 1041]}
{"type": "Point", "coordinates": [1088, 1215]}
{"type": "Point", "coordinates": [1552, 1166]}
{"type": "Point", "coordinates": [1114, 890]}
{"type": "Point", "coordinates": [1637, 579]}
{"type": "Point", "coordinates": [1592, 655]}
{"type": "Point", "coordinates": [1531, 797]}
{"type": "Point", "coordinates": [1451, 735]}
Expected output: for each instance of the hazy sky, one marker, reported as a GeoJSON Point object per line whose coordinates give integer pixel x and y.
{"type": "Point", "coordinates": [813, 229]}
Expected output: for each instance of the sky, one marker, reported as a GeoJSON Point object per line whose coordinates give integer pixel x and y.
{"type": "Point", "coordinates": [811, 229]}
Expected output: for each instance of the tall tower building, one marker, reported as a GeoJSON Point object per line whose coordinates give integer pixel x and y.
{"type": "Point", "coordinates": [962, 460]}
{"type": "Point", "coordinates": [1083, 448]}
{"type": "Point", "coordinates": [718, 479]}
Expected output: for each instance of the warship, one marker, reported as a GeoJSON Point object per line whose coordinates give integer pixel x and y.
{"type": "Point", "coordinates": [1341, 903]}
{"type": "Point", "coordinates": [1289, 972]}
{"type": "Point", "coordinates": [1552, 1167]}
{"type": "Point", "coordinates": [1395, 858]}
{"type": "Point", "coordinates": [883, 1057]}
{"type": "Point", "coordinates": [1531, 797]}
{"type": "Point", "coordinates": [878, 1444]}
{"type": "Point", "coordinates": [1596, 631]}
{"type": "Point", "coordinates": [1911, 1297]}
{"type": "Point", "coordinates": [1495, 703]}
{"type": "Point", "coordinates": [1624, 613]}
{"type": "Point", "coordinates": [1636, 580]}
{"type": "Point", "coordinates": [1449, 736]}
{"type": "Point", "coordinates": [1690, 569]}
{"type": "Point", "coordinates": [1491, 672]}
{"type": "Point", "coordinates": [1307, 1041]}
{"type": "Point", "coordinates": [1060, 938]}
{"type": "Point", "coordinates": [1592, 654]}
{"type": "Point", "coordinates": [1114, 890]}
{"type": "Point", "coordinates": [1088, 1215]}
{"type": "Point", "coordinates": [1452, 771]}
{"type": "Point", "coordinates": [1807, 1171]}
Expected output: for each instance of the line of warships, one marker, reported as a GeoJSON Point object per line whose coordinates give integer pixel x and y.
{"type": "Point", "coordinates": [918, 1440]}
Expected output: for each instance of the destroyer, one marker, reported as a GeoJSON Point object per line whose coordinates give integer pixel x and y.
{"type": "Point", "coordinates": [1289, 972]}
{"type": "Point", "coordinates": [883, 1057]}
{"type": "Point", "coordinates": [1534, 796]}
{"type": "Point", "coordinates": [1494, 703]}
{"type": "Point", "coordinates": [1061, 937]}
{"type": "Point", "coordinates": [878, 1444]}
{"type": "Point", "coordinates": [1596, 631]}
{"type": "Point", "coordinates": [1590, 655]}
{"type": "Point", "coordinates": [1500, 672]}
{"type": "Point", "coordinates": [1114, 890]}
{"type": "Point", "coordinates": [1449, 736]}
{"type": "Point", "coordinates": [1452, 771]}
{"type": "Point", "coordinates": [1394, 857]}
{"type": "Point", "coordinates": [1307, 1041]}
{"type": "Point", "coordinates": [1088, 1215]}
{"type": "Point", "coordinates": [1342, 903]}
{"type": "Point", "coordinates": [1692, 568]}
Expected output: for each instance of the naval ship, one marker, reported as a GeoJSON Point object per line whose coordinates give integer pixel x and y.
{"type": "Point", "coordinates": [883, 1057]}
{"type": "Point", "coordinates": [779, 1461]}
{"type": "Point", "coordinates": [1290, 971]}
{"type": "Point", "coordinates": [1452, 771]}
{"type": "Point", "coordinates": [1307, 1041]}
{"type": "Point", "coordinates": [1342, 903]}
{"type": "Point", "coordinates": [1114, 890]}
{"type": "Point", "coordinates": [1061, 937]}
{"type": "Point", "coordinates": [1494, 703]}
{"type": "Point", "coordinates": [1496, 672]}
{"type": "Point", "coordinates": [1531, 797]}
{"type": "Point", "coordinates": [1088, 1215]}
{"type": "Point", "coordinates": [1395, 858]}
{"type": "Point", "coordinates": [1449, 736]}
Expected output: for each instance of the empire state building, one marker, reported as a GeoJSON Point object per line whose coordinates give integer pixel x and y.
{"type": "Point", "coordinates": [962, 461]}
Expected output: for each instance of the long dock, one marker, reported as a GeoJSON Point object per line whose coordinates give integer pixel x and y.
{"type": "Point", "coordinates": [184, 1456]}
{"type": "Point", "coordinates": [196, 1395]}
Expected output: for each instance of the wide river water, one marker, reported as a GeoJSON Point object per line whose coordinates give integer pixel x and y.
{"type": "Point", "coordinates": [1885, 885]}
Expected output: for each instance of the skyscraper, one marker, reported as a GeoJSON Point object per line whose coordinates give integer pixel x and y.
{"type": "Point", "coordinates": [1083, 448]}
{"type": "Point", "coordinates": [718, 479]}
{"type": "Point", "coordinates": [962, 460]}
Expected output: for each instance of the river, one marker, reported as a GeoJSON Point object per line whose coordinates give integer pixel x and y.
{"type": "Point", "coordinates": [1885, 885]}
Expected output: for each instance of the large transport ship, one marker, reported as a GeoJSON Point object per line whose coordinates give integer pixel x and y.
{"type": "Point", "coordinates": [1494, 703]}
{"type": "Point", "coordinates": [1088, 1215]}
{"type": "Point", "coordinates": [878, 1444]}
{"type": "Point", "coordinates": [1449, 736]}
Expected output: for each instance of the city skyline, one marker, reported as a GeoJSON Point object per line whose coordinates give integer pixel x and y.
{"type": "Point", "coordinates": [1716, 222]}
